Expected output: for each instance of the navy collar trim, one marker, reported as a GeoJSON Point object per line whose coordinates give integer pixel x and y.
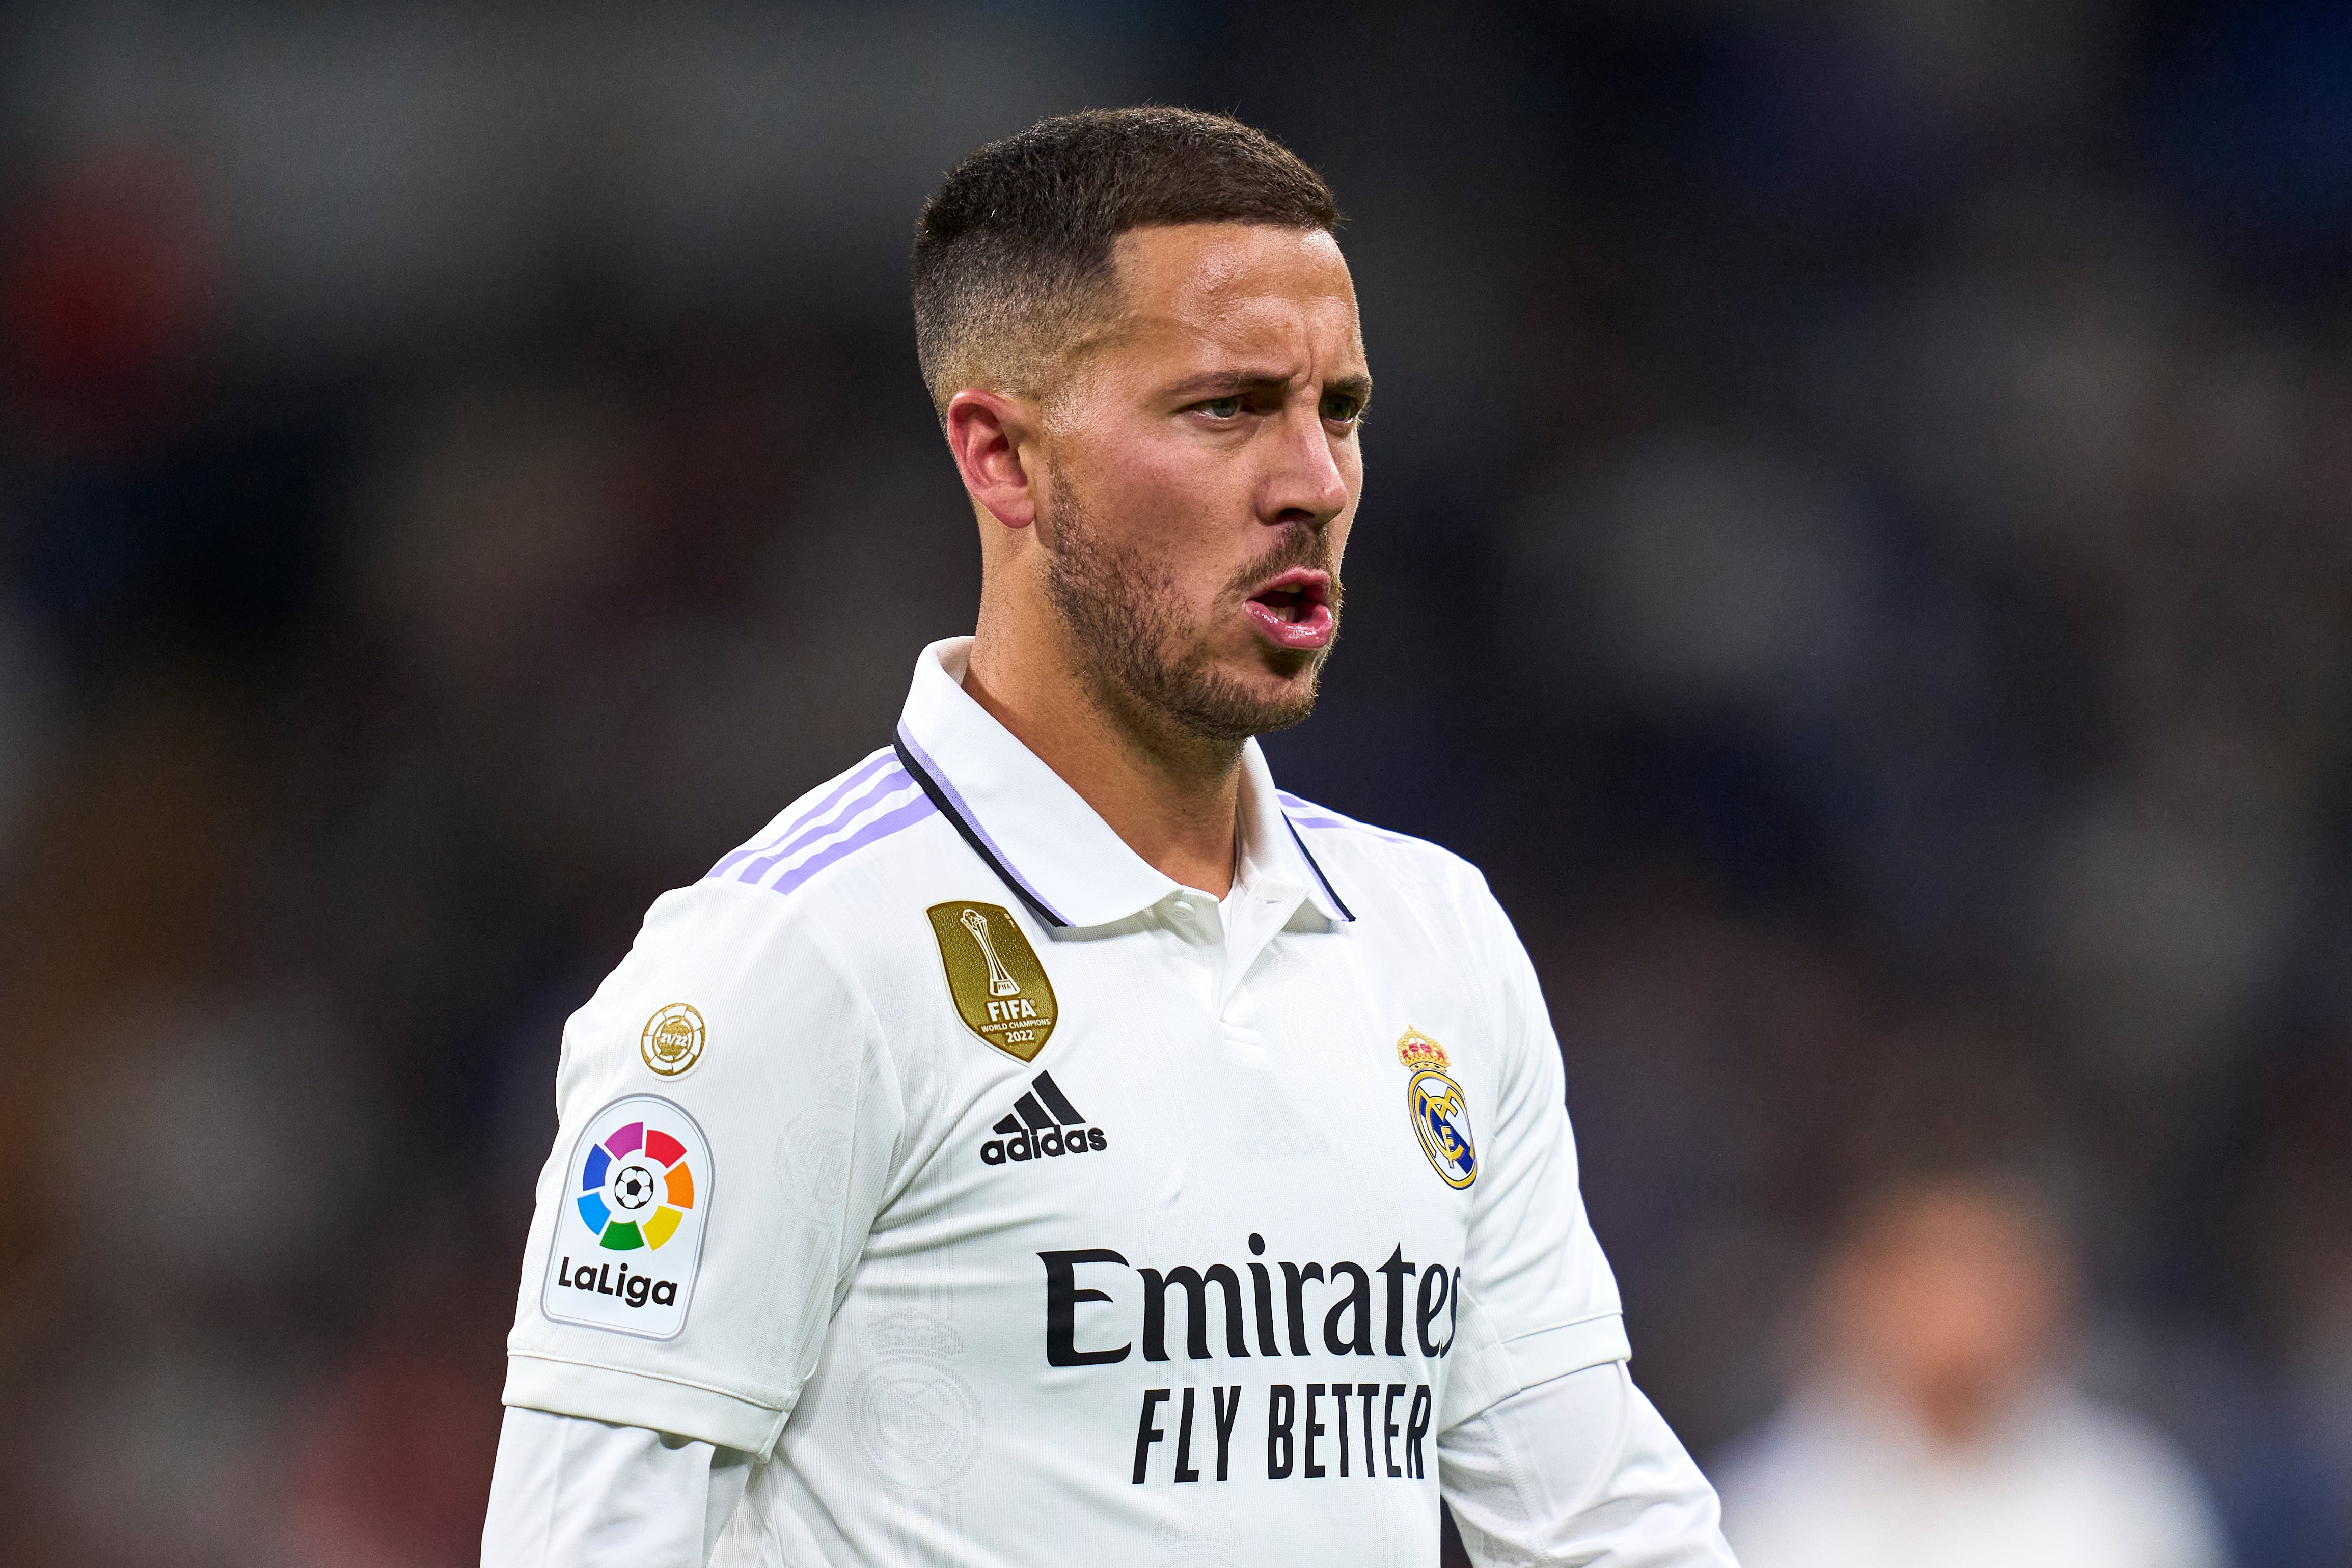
{"type": "Point", "coordinates": [1317, 867]}
{"type": "Point", "coordinates": [952, 806]}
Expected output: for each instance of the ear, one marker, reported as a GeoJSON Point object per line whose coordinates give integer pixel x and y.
{"type": "Point", "coordinates": [992, 437]}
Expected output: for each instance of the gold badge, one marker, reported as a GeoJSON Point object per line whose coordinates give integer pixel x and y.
{"type": "Point", "coordinates": [673, 1039]}
{"type": "Point", "coordinates": [1000, 988]}
{"type": "Point", "coordinates": [1415, 1049]}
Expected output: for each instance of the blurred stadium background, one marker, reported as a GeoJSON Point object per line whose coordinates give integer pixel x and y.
{"type": "Point", "coordinates": [1856, 544]}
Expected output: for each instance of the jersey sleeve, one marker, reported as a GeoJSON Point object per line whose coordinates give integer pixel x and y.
{"type": "Point", "coordinates": [588, 1494]}
{"type": "Point", "coordinates": [727, 1123]}
{"type": "Point", "coordinates": [1538, 1301]}
{"type": "Point", "coordinates": [1582, 1469]}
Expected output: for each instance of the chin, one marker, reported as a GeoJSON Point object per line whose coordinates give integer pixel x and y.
{"type": "Point", "coordinates": [1284, 697]}
{"type": "Point", "coordinates": [1229, 704]}
{"type": "Point", "coordinates": [1286, 668]}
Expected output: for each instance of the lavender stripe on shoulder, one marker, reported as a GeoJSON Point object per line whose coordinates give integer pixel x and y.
{"type": "Point", "coordinates": [857, 775]}
{"type": "Point", "coordinates": [880, 827]}
{"type": "Point", "coordinates": [887, 782]}
{"type": "Point", "coordinates": [1307, 814]}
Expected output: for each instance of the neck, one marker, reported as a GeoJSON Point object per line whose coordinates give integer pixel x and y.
{"type": "Point", "coordinates": [1174, 798]}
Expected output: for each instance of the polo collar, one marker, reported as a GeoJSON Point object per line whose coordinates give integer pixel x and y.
{"type": "Point", "coordinates": [1041, 838]}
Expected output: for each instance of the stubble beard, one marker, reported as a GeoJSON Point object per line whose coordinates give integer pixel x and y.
{"type": "Point", "coordinates": [1142, 662]}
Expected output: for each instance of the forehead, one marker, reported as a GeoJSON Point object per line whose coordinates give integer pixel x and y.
{"type": "Point", "coordinates": [1222, 288]}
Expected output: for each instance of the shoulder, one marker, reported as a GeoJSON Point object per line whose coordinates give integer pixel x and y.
{"type": "Point", "coordinates": [1380, 851]}
{"type": "Point", "coordinates": [1797, 1489]}
{"type": "Point", "coordinates": [2116, 1453]}
{"type": "Point", "coordinates": [800, 894]}
{"type": "Point", "coordinates": [767, 943]}
{"type": "Point", "coordinates": [1376, 864]}
{"type": "Point", "coordinates": [842, 819]}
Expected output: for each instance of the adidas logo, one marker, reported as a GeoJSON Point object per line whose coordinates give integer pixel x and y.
{"type": "Point", "coordinates": [1044, 1125]}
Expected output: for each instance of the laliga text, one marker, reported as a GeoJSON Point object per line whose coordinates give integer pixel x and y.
{"type": "Point", "coordinates": [598, 1279]}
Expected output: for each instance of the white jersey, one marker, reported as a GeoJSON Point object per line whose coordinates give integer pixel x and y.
{"type": "Point", "coordinates": [1014, 1202]}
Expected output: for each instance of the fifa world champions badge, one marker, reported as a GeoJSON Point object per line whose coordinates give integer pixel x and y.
{"type": "Point", "coordinates": [1439, 1110]}
{"type": "Point", "coordinates": [1000, 988]}
{"type": "Point", "coordinates": [673, 1038]}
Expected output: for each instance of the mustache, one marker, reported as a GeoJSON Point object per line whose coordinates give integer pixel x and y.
{"type": "Point", "coordinates": [1299, 547]}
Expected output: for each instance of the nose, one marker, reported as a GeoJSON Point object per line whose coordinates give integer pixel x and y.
{"type": "Point", "coordinates": [1304, 483]}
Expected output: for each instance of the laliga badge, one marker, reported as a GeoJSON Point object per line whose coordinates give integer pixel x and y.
{"type": "Point", "coordinates": [628, 1226]}
{"type": "Point", "coordinates": [672, 1042]}
{"type": "Point", "coordinates": [1000, 990]}
{"type": "Point", "coordinates": [1441, 1116]}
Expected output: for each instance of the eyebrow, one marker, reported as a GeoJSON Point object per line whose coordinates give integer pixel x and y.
{"type": "Point", "coordinates": [1211, 383]}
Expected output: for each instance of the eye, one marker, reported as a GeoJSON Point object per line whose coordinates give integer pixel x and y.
{"type": "Point", "coordinates": [1221, 407]}
{"type": "Point", "coordinates": [1342, 408]}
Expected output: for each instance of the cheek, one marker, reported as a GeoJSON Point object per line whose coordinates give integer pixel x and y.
{"type": "Point", "coordinates": [1176, 516]}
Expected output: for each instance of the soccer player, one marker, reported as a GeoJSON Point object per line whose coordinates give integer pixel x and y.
{"type": "Point", "coordinates": [1047, 1142]}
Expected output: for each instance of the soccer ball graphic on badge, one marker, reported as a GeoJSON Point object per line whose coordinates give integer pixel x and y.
{"type": "Point", "coordinates": [632, 1188]}
{"type": "Point", "coordinates": [636, 1188]}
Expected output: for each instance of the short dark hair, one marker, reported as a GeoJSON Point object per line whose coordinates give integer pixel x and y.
{"type": "Point", "coordinates": [1014, 249]}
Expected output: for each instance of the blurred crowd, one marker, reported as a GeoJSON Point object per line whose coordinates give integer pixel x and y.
{"type": "Point", "coordinates": [1855, 545]}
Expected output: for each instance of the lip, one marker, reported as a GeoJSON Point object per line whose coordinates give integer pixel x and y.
{"type": "Point", "coordinates": [1293, 610]}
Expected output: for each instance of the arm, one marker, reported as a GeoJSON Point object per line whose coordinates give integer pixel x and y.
{"type": "Point", "coordinates": [1546, 1450]}
{"type": "Point", "coordinates": [1579, 1470]}
{"type": "Point", "coordinates": [662, 1333]}
{"type": "Point", "coordinates": [572, 1493]}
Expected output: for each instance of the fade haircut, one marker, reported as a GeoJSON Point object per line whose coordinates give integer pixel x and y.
{"type": "Point", "coordinates": [1013, 253]}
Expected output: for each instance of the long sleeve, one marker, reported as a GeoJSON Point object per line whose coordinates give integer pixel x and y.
{"type": "Point", "coordinates": [573, 1493]}
{"type": "Point", "coordinates": [1579, 1470]}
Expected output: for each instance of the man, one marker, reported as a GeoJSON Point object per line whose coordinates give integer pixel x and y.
{"type": "Point", "coordinates": [1935, 1428]}
{"type": "Point", "coordinates": [1046, 1142]}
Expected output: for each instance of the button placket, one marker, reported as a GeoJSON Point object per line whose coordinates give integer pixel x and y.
{"type": "Point", "coordinates": [1258, 923]}
{"type": "Point", "coordinates": [1203, 942]}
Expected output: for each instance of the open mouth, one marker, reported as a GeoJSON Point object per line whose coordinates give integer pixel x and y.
{"type": "Point", "coordinates": [1294, 610]}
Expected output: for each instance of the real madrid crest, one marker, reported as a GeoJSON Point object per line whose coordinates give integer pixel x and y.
{"type": "Point", "coordinates": [1000, 990]}
{"type": "Point", "coordinates": [673, 1039]}
{"type": "Point", "coordinates": [1441, 1116]}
